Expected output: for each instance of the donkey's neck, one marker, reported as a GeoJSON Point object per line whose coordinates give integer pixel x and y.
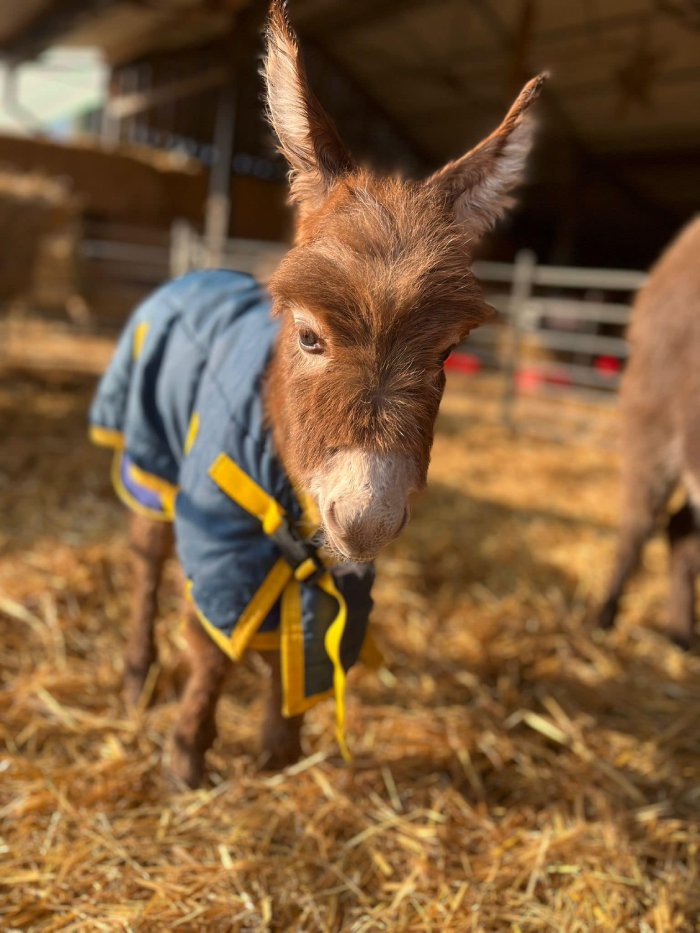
{"type": "Point", "coordinates": [274, 404]}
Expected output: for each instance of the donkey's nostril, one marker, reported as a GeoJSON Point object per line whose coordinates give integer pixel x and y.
{"type": "Point", "coordinates": [404, 520]}
{"type": "Point", "coordinates": [332, 518]}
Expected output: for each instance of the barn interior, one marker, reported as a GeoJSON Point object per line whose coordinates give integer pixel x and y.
{"type": "Point", "coordinates": [410, 85]}
{"type": "Point", "coordinates": [513, 767]}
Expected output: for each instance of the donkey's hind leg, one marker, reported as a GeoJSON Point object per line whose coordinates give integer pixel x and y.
{"type": "Point", "coordinates": [196, 726]}
{"type": "Point", "coordinates": [684, 543]}
{"type": "Point", "coordinates": [151, 544]}
{"type": "Point", "coordinates": [648, 480]}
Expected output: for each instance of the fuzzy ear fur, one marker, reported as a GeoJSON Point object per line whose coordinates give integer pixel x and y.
{"type": "Point", "coordinates": [307, 137]}
{"type": "Point", "coordinates": [479, 184]}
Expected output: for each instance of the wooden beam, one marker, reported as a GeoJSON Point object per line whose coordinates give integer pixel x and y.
{"type": "Point", "coordinates": [50, 25]}
{"type": "Point", "coordinates": [358, 14]}
{"type": "Point", "coordinates": [128, 105]}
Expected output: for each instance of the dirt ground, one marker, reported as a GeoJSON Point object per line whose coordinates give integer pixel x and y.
{"type": "Point", "coordinates": [512, 769]}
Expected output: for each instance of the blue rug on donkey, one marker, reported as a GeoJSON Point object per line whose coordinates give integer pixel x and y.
{"type": "Point", "coordinates": [181, 405]}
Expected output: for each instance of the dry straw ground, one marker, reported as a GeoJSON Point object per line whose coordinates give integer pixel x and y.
{"type": "Point", "coordinates": [513, 771]}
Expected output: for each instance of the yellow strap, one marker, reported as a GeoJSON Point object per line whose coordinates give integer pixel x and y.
{"type": "Point", "coordinates": [140, 332]}
{"type": "Point", "coordinates": [229, 477]}
{"type": "Point", "coordinates": [192, 432]}
{"type": "Point", "coordinates": [334, 640]}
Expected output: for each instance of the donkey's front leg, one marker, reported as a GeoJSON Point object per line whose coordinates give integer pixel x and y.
{"type": "Point", "coordinates": [281, 736]}
{"type": "Point", "coordinates": [196, 726]}
{"type": "Point", "coordinates": [151, 543]}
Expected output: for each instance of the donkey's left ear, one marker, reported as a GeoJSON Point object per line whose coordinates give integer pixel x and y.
{"type": "Point", "coordinates": [479, 184]}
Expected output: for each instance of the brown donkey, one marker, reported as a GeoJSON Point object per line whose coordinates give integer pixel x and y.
{"type": "Point", "coordinates": [371, 299]}
{"type": "Point", "coordinates": [660, 412]}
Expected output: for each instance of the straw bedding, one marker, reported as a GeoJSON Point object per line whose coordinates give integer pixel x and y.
{"type": "Point", "coordinates": [512, 770]}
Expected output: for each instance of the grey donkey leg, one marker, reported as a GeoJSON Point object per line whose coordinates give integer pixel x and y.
{"type": "Point", "coordinates": [647, 485]}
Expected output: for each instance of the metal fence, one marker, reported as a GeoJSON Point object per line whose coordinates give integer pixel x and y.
{"type": "Point", "coordinates": [556, 348]}
{"type": "Point", "coordinates": [559, 335]}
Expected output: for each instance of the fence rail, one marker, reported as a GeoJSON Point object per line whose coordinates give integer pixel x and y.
{"type": "Point", "coordinates": [558, 335]}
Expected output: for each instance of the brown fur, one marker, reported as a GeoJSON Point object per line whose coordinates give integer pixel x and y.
{"type": "Point", "coordinates": [660, 405]}
{"type": "Point", "coordinates": [384, 265]}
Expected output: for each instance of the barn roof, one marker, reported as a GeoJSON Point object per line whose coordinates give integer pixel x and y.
{"type": "Point", "coordinates": [624, 96]}
{"type": "Point", "coordinates": [626, 73]}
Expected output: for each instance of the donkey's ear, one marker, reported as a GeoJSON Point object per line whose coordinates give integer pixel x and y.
{"type": "Point", "coordinates": [479, 185]}
{"type": "Point", "coordinates": [306, 134]}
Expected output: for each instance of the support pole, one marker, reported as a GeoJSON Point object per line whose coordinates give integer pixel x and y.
{"type": "Point", "coordinates": [523, 281]}
{"type": "Point", "coordinates": [218, 208]}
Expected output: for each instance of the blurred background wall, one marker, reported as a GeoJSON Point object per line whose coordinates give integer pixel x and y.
{"type": "Point", "coordinates": [143, 114]}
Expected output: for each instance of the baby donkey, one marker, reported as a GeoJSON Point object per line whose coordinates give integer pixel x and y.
{"type": "Point", "coordinates": [284, 435]}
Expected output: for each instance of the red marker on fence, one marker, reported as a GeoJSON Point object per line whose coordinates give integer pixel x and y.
{"type": "Point", "coordinates": [464, 363]}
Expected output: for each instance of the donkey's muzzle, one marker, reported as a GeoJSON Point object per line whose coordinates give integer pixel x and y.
{"type": "Point", "coordinates": [363, 536]}
{"type": "Point", "coordinates": [363, 500]}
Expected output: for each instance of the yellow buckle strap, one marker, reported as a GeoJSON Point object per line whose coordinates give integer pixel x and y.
{"type": "Point", "coordinates": [238, 486]}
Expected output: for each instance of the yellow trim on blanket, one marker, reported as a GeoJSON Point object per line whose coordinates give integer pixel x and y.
{"type": "Point", "coordinates": [167, 491]}
{"type": "Point", "coordinates": [128, 499]}
{"type": "Point", "coordinates": [216, 635]}
{"type": "Point", "coordinates": [106, 437]}
{"type": "Point", "coordinates": [140, 334]}
{"type": "Point", "coordinates": [245, 634]}
{"type": "Point", "coordinates": [259, 606]}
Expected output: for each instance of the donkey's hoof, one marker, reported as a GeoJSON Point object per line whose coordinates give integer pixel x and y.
{"type": "Point", "coordinates": [681, 640]}
{"type": "Point", "coordinates": [278, 759]}
{"type": "Point", "coordinates": [280, 747]}
{"type": "Point", "coordinates": [183, 765]}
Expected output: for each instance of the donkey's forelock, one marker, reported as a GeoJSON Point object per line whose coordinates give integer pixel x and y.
{"type": "Point", "coordinates": [386, 253]}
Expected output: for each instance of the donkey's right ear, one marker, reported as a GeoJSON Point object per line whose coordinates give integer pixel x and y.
{"type": "Point", "coordinates": [306, 134]}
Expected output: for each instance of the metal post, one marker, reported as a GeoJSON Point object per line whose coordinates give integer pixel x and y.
{"type": "Point", "coordinates": [523, 278]}
{"type": "Point", "coordinates": [110, 125]}
{"type": "Point", "coordinates": [218, 208]}
{"type": "Point", "coordinates": [183, 256]}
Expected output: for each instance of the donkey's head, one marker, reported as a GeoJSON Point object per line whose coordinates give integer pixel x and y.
{"type": "Point", "coordinates": [374, 294]}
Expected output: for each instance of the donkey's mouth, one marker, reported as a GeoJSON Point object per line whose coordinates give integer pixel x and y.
{"type": "Point", "coordinates": [337, 546]}
{"type": "Point", "coordinates": [336, 550]}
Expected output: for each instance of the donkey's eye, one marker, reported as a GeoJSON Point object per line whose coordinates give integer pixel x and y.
{"type": "Point", "coordinates": [310, 341]}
